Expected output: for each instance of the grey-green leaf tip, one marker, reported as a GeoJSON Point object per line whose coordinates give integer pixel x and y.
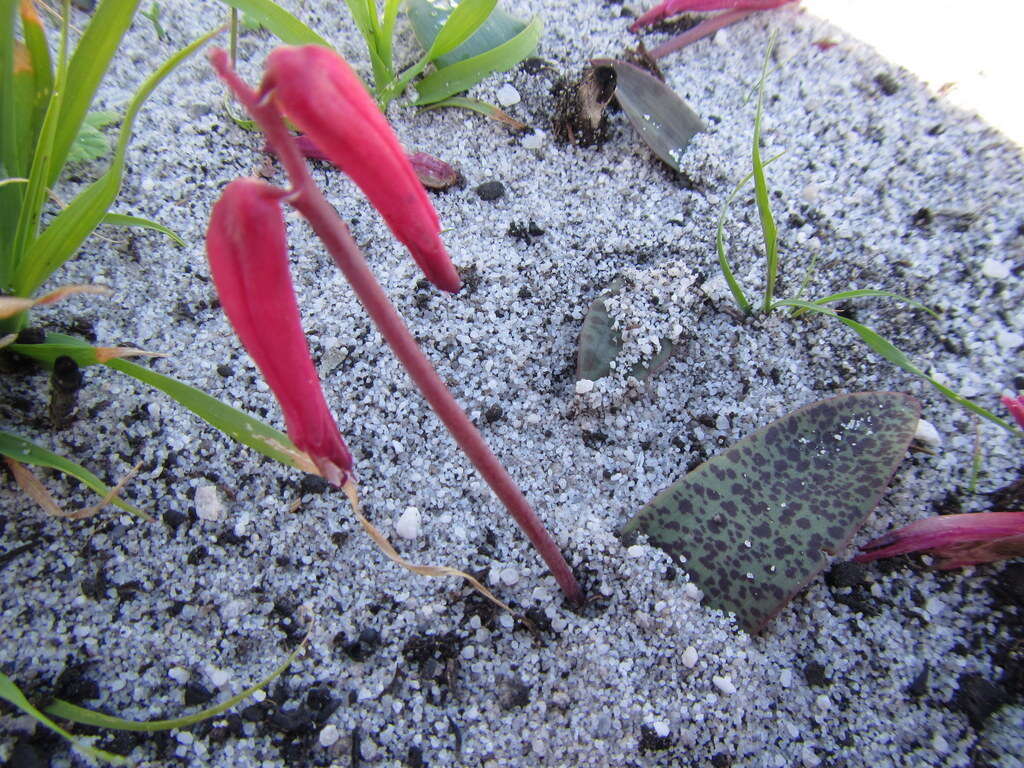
{"type": "Point", "coordinates": [753, 525]}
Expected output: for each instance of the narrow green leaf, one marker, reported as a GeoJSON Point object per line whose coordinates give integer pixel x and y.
{"type": "Point", "coordinates": [886, 349]}
{"type": "Point", "coordinates": [42, 160]}
{"type": "Point", "coordinates": [460, 24]}
{"type": "Point", "coordinates": [10, 195]}
{"type": "Point", "coordinates": [387, 32]}
{"type": "Point", "coordinates": [38, 48]}
{"type": "Point", "coordinates": [281, 23]}
{"type": "Point", "coordinates": [752, 525]}
{"type": "Point", "coordinates": [764, 207]}
{"type": "Point", "coordinates": [57, 345]}
{"type": "Point", "coordinates": [20, 449]}
{"type": "Point", "coordinates": [68, 230]}
{"type": "Point", "coordinates": [484, 108]}
{"type": "Point", "coordinates": [844, 295]}
{"type": "Point", "coordinates": [723, 258]}
{"type": "Point", "coordinates": [89, 64]}
{"type": "Point", "coordinates": [233, 423]}
{"type": "Point", "coordinates": [12, 694]}
{"type": "Point", "coordinates": [458, 77]}
{"type": "Point", "coordinates": [428, 17]}
{"type": "Point", "coordinates": [122, 220]}
{"type": "Point", "coordinates": [68, 711]}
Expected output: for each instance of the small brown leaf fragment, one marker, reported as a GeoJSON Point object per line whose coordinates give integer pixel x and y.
{"type": "Point", "coordinates": [34, 489]}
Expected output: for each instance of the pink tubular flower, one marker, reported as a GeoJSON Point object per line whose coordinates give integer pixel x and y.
{"type": "Point", "coordinates": [957, 540]}
{"type": "Point", "coordinates": [1016, 407]}
{"type": "Point", "coordinates": [248, 253]}
{"type": "Point", "coordinates": [318, 91]}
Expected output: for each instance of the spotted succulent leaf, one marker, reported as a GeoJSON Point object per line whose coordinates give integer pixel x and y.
{"type": "Point", "coordinates": [754, 524]}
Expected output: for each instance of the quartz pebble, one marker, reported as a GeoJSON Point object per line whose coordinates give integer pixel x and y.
{"type": "Point", "coordinates": [635, 551]}
{"type": "Point", "coordinates": [178, 674]}
{"type": "Point", "coordinates": [584, 386]}
{"type": "Point", "coordinates": [1009, 339]}
{"type": "Point", "coordinates": [508, 96]}
{"type": "Point", "coordinates": [509, 576]}
{"type": "Point", "coordinates": [329, 735]}
{"type": "Point", "coordinates": [724, 684]}
{"type": "Point", "coordinates": [927, 433]}
{"type": "Point", "coordinates": [219, 677]}
{"type": "Point", "coordinates": [209, 505]}
{"type": "Point", "coordinates": [786, 678]}
{"type": "Point", "coordinates": [408, 525]}
{"type": "Point", "coordinates": [534, 141]}
{"type": "Point", "coordinates": [689, 657]}
{"type": "Point", "coordinates": [997, 270]}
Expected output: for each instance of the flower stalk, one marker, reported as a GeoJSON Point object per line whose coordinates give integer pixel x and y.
{"type": "Point", "coordinates": [306, 198]}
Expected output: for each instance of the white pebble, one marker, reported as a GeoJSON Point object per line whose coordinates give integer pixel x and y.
{"type": "Point", "coordinates": [408, 525]}
{"type": "Point", "coordinates": [219, 677]}
{"type": "Point", "coordinates": [534, 141]}
{"type": "Point", "coordinates": [636, 551]}
{"type": "Point", "coordinates": [823, 703]}
{"type": "Point", "coordinates": [329, 735]}
{"type": "Point", "coordinates": [692, 592]}
{"type": "Point", "coordinates": [259, 695]}
{"type": "Point", "coordinates": [584, 386]}
{"type": "Point", "coordinates": [468, 652]}
{"type": "Point", "coordinates": [724, 684]}
{"type": "Point", "coordinates": [660, 728]}
{"type": "Point", "coordinates": [368, 749]}
{"type": "Point", "coordinates": [509, 576]}
{"type": "Point", "coordinates": [184, 737]}
{"type": "Point", "coordinates": [1009, 339]}
{"type": "Point", "coordinates": [939, 744]}
{"type": "Point", "coordinates": [786, 678]}
{"type": "Point", "coordinates": [689, 658]}
{"type": "Point", "coordinates": [178, 675]}
{"type": "Point", "coordinates": [209, 505]}
{"type": "Point", "coordinates": [558, 624]}
{"type": "Point", "coordinates": [997, 270]}
{"type": "Point", "coordinates": [508, 96]}
{"type": "Point", "coordinates": [811, 193]}
{"type": "Point", "coordinates": [506, 621]}
{"type": "Point", "coordinates": [927, 433]}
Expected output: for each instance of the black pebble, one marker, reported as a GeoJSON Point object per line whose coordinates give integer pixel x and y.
{"type": "Point", "coordinates": [313, 484]}
{"type": "Point", "coordinates": [72, 685]}
{"type": "Point", "coordinates": [886, 83]}
{"type": "Point", "coordinates": [225, 370]}
{"type": "Point", "coordinates": [490, 190]}
{"type": "Point", "coordinates": [363, 646]}
{"type": "Point", "coordinates": [845, 575]}
{"type": "Point", "coordinates": [197, 694]}
{"type": "Point", "coordinates": [978, 698]}
{"type": "Point", "coordinates": [25, 756]}
{"type": "Point", "coordinates": [31, 336]}
{"type": "Point", "coordinates": [721, 760]}
{"type": "Point", "coordinates": [414, 758]}
{"type": "Point", "coordinates": [254, 712]}
{"type": "Point", "coordinates": [493, 414]}
{"type": "Point", "coordinates": [919, 687]}
{"type": "Point", "coordinates": [814, 674]}
{"type": "Point", "coordinates": [513, 693]}
{"type": "Point", "coordinates": [291, 721]}
{"type": "Point", "coordinates": [174, 517]}
{"type": "Point", "coordinates": [650, 741]}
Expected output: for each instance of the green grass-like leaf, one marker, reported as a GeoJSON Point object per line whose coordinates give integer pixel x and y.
{"type": "Point", "coordinates": [428, 16]}
{"type": "Point", "coordinates": [68, 711]}
{"type": "Point", "coordinates": [889, 351]}
{"type": "Point", "coordinates": [460, 24]}
{"type": "Point", "coordinates": [861, 292]}
{"type": "Point", "coordinates": [123, 220]}
{"type": "Point", "coordinates": [12, 694]}
{"type": "Point", "coordinates": [280, 22]}
{"type": "Point", "coordinates": [68, 230]}
{"type": "Point", "coordinates": [452, 79]}
{"type": "Point", "coordinates": [27, 452]}
{"type": "Point", "coordinates": [761, 195]}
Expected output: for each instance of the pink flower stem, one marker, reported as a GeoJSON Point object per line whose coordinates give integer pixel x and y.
{"type": "Point", "coordinates": [334, 233]}
{"type": "Point", "coordinates": [702, 30]}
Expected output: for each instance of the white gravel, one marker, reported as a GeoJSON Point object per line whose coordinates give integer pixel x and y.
{"type": "Point", "coordinates": [157, 605]}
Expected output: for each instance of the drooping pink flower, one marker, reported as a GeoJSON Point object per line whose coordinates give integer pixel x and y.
{"type": "Point", "coordinates": [318, 91]}
{"type": "Point", "coordinates": [670, 8]}
{"type": "Point", "coordinates": [957, 540]}
{"type": "Point", "coordinates": [1016, 407]}
{"type": "Point", "coordinates": [248, 253]}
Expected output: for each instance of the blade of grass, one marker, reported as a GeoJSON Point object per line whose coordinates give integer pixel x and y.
{"type": "Point", "coordinates": [68, 711]}
{"type": "Point", "coordinates": [68, 230]}
{"type": "Point", "coordinates": [275, 18]}
{"type": "Point", "coordinates": [387, 32]}
{"type": "Point", "coordinates": [12, 694]}
{"type": "Point", "coordinates": [723, 257]}
{"type": "Point", "coordinates": [123, 220]}
{"type": "Point", "coordinates": [27, 452]}
{"type": "Point", "coordinates": [764, 209]}
{"type": "Point", "coordinates": [842, 296]}
{"type": "Point", "coordinates": [34, 34]}
{"type": "Point", "coordinates": [89, 64]}
{"type": "Point", "coordinates": [483, 107]}
{"type": "Point", "coordinates": [458, 77]}
{"type": "Point", "coordinates": [886, 349]}
{"type": "Point", "coordinates": [38, 178]}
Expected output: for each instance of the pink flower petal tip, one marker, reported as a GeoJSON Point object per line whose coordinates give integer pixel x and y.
{"type": "Point", "coordinates": [318, 91]}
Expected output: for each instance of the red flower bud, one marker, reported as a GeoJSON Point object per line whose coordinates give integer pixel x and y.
{"type": "Point", "coordinates": [248, 253]}
{"type": "Point", "coordinates": [318, 91]}
{"type": "Point", "coordinates": [1016, 407]}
